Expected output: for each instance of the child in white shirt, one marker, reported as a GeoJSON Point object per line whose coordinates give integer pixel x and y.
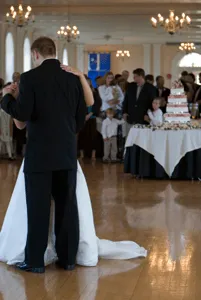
{"type": "Point", "coordinates": [155, 113]}
{"type": "Point", "coordinates": [109, 133]}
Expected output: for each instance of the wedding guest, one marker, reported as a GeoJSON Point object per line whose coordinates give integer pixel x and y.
{"type": "Point", "coordinates": [117, 76]}
{"type": "Point", "coordinates": [150, 79]}
{"type": "Point", "coordinates": [6, 131]}
{"type": "Point", "coordinates": [109, 133]}
{"type": "Point", "coordinates": [88, 136]}
{"type": "Point", "coordinates": [111, 95]}
{"type": "Point", "coordinates": [19, 136]}
{"type": "Point", "coordinates": [155, 115]}
{"type": "Point", "coordinates": [125, 76]}
{"type": "Point", "coordinates": [138, 99]}
{"type": "Point", "coordinates": [16, 77]}
{"type": "Point", "coordinates": [1, 87]}
{"type": "Point", "coordinates": [162, 92]}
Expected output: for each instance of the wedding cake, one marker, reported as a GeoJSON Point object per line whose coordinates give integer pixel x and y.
{"type": "Point", "coordinates": [177, 106]}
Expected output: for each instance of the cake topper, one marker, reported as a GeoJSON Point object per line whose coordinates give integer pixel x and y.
{"type": "Point", "coordinates": [177, 85]}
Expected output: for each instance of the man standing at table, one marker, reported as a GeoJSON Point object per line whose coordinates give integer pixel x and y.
{"type": "Point", "coordinates": [138, 99]}
{"type": "Point", "coordinates": [162, 92]}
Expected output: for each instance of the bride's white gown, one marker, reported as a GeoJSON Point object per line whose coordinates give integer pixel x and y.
{"type": "Point", "coordinates": [14, 231]}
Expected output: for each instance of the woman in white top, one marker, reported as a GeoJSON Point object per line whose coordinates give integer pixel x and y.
{"type": "Point", "coordinates": [155, 113]}
{"type": "Point", "coordinates": [111, 94]}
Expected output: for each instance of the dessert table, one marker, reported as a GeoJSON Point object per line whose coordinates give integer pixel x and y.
{"type": "Point", "coordinates": [174, 154]}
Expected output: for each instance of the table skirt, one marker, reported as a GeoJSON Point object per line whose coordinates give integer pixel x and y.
{"type": "Point", "coordinates": [139, 162]}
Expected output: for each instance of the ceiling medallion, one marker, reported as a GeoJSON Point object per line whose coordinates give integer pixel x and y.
{"type": "Point", "coordinates": [173, 23]}
{"type": "Point", "coordinates": [20, 17]}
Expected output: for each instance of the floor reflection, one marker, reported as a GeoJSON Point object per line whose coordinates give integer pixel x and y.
{"type": "Point", "coordinates": [162, 216]}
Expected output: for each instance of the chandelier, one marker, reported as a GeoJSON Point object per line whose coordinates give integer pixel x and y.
{"type": "Point", "coordinates": [123, 53]}
{"type": "Point", "coordinates": [173, 23]}
{"type": "Point", "coordinates": [68, 33]}
{"type": "Point", "coordinates": [20, 16]}
{"type": "Point", "coordinates": [187, 47]}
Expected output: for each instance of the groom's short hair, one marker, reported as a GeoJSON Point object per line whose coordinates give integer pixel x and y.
{"type": "Point", "coordinates": [45, 46]}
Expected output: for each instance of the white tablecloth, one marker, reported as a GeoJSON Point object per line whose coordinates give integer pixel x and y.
{"type": "Point", "coordinates": [167, 147]}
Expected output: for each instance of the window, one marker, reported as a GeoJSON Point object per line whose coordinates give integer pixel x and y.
{"type": "Point", "coordinates": [9, 57]}
{"type": "Point", "coordinates": [191, 60]}
{"type": "Point", "coordinates": [27, 55]}
{"type": "Point", "coordinates": [65, 57]}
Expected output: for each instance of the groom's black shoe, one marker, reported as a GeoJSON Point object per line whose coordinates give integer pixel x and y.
{"type": "Point", "coordinates": [65, 267]}
{"type": "Point", "coordinates": [25, 267]}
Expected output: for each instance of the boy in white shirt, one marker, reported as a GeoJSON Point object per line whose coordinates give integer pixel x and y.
{"type": "Point", "coordinates": [109, 133]}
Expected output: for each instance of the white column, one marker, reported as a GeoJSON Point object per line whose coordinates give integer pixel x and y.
{"type": "Point", "coordinates": [80, 57]}
{"type": "Point", "coordinates": [3, 29]}
{"type": "Point", "coordinates": [147, 58]}
{"type": "Point", "coordinates": [157, 59]}
{"type": "Point", "coordinates": [19, 51]}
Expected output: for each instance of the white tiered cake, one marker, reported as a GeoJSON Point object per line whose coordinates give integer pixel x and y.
{"type": "Point", "coordinates": [177, 106]}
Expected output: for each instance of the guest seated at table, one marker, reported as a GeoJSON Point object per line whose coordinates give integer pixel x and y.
{"type": "Point", "coordinates": [138, 99]}
{"type": "Point", "coordinates": [155, 115]}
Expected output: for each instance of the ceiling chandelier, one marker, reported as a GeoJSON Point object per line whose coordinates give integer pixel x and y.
{"type": "Point", "coordinates": [68, 33]}
{"type": "Point", "coordinates": [122, 53]}
{"type": "Point", "coordinates": [20, 16]}
{"type": "Point", "coordinates": [187, 47]}
{"type": "Point", "coordinates": [173, 23]}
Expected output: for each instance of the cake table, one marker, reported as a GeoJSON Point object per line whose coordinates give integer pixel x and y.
{"type": "Point", "coordinates": [163, 153]}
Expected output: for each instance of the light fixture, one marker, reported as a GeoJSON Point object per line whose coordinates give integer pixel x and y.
{"type": "Point", "coordinates": [20, 16]}
{"type": "Point", "coordinates": [122, 53]}
{"type": "Point", "coordinates": [173, 23]}
{"type": "Point", "coordinates": [187, 47]}
{"type": "Point", "coordinates": [68, 33]}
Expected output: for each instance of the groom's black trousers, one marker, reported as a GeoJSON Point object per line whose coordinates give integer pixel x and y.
{"type": "Point", "coordinates": [39, 189]}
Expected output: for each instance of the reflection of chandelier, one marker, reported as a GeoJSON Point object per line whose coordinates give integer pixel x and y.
{"type": "Point", "coordinates": [21, 17]}
{"type": "Point", "coordinates": [68, 33]}
{"type": "Point", "coordinates": [173, 23]}
{"type": "Point", "coordinates": [123, 53]}
{"type": "Point", "coordinates": [187, 47]}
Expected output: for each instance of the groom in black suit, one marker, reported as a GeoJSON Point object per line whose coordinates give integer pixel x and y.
{"type": "Point", "coordinates": [51, 101]}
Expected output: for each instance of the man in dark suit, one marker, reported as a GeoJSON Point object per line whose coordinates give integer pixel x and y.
{"type": "Point", "coordinates": [138, 99]}
{"type": "Point", "coordinates": [162, 92]}
{"type": "Point", "coordinates": [51, 101]}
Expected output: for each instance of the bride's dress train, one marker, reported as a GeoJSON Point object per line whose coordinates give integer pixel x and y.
{"type": "Point", "coordinates": [14, 231]}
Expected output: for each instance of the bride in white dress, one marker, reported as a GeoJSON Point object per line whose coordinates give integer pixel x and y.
{"type": "Point", "coordinates": [13, 234]}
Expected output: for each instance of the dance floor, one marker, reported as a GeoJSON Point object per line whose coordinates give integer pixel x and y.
{"type": "Point", "coordinates": [162, 216]}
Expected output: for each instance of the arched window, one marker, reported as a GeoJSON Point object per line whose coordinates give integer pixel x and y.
{"type": "Point", "coordinates": [191, 60]}
{"type": "Point", "coordinates": [9, 57]}
{"type": "Point", "coordinates": [65, 56]}
{"type": "Point", "coordinates": [27, 55]}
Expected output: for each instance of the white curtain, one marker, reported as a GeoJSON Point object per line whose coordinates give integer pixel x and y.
{"type": "Point", "coordinates": [9, 57]}
{"type": "Point", "coordinates": [27, 55]}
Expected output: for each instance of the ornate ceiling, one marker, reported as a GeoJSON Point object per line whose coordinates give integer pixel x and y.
{"type": "Point", "coordinates": [121, 19]}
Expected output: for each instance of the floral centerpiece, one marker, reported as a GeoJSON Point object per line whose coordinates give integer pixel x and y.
{"type": "Point", "coordinates": [171, 126]}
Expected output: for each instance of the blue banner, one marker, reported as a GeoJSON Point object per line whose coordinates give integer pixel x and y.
{"type": "Point", "coordinates": [98, 65]}
{"type": "Point", "coordinates": [105, 60]}
{"type": "Point", "coordinates": [93, 61]}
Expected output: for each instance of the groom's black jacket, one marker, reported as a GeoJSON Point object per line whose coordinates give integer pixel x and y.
{"type": "Point", "coordinates": [51, 101]}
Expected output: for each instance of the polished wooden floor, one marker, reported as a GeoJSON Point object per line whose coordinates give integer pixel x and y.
{"type": "Point", "coordinates": [162, 216]}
